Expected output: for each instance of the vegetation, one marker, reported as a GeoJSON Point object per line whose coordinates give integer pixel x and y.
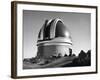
{"type": "Point", "coordinates": [83, 59]}
{"type": "Point", "coordinates": [65, 55]}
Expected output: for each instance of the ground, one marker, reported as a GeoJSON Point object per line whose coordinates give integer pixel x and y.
{"type": "Point", "coordinates": [55, 63]}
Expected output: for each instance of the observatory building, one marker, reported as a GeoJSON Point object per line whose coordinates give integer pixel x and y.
{"type": "Point", "coordinates": [54, 39]}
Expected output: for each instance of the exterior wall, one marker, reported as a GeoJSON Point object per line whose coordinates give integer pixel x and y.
{"type": "Point", "coordinates": [47, 51]}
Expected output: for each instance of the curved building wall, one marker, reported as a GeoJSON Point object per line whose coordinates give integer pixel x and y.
{"type": "Point", "coordinates": [52, 50]}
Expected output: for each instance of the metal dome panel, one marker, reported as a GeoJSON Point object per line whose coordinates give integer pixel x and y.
{"type": "Point", "coordinates": [54, 30]}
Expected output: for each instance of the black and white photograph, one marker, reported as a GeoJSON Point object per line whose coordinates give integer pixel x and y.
{"type": "Point", "coordinates": [53, 39]}
{"type": "Point", "coordinates": [56, 39]}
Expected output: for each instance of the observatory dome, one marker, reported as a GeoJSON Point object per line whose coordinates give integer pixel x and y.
{"type": "Point", "coordinates": [54, 31]}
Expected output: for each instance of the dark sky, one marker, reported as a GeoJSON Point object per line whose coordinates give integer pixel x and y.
{"type": "Point", "coordinates": [77, 23]}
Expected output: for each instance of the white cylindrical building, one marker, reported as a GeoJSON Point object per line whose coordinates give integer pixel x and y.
{"type": "Point", "coordinates": [54, 39]}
